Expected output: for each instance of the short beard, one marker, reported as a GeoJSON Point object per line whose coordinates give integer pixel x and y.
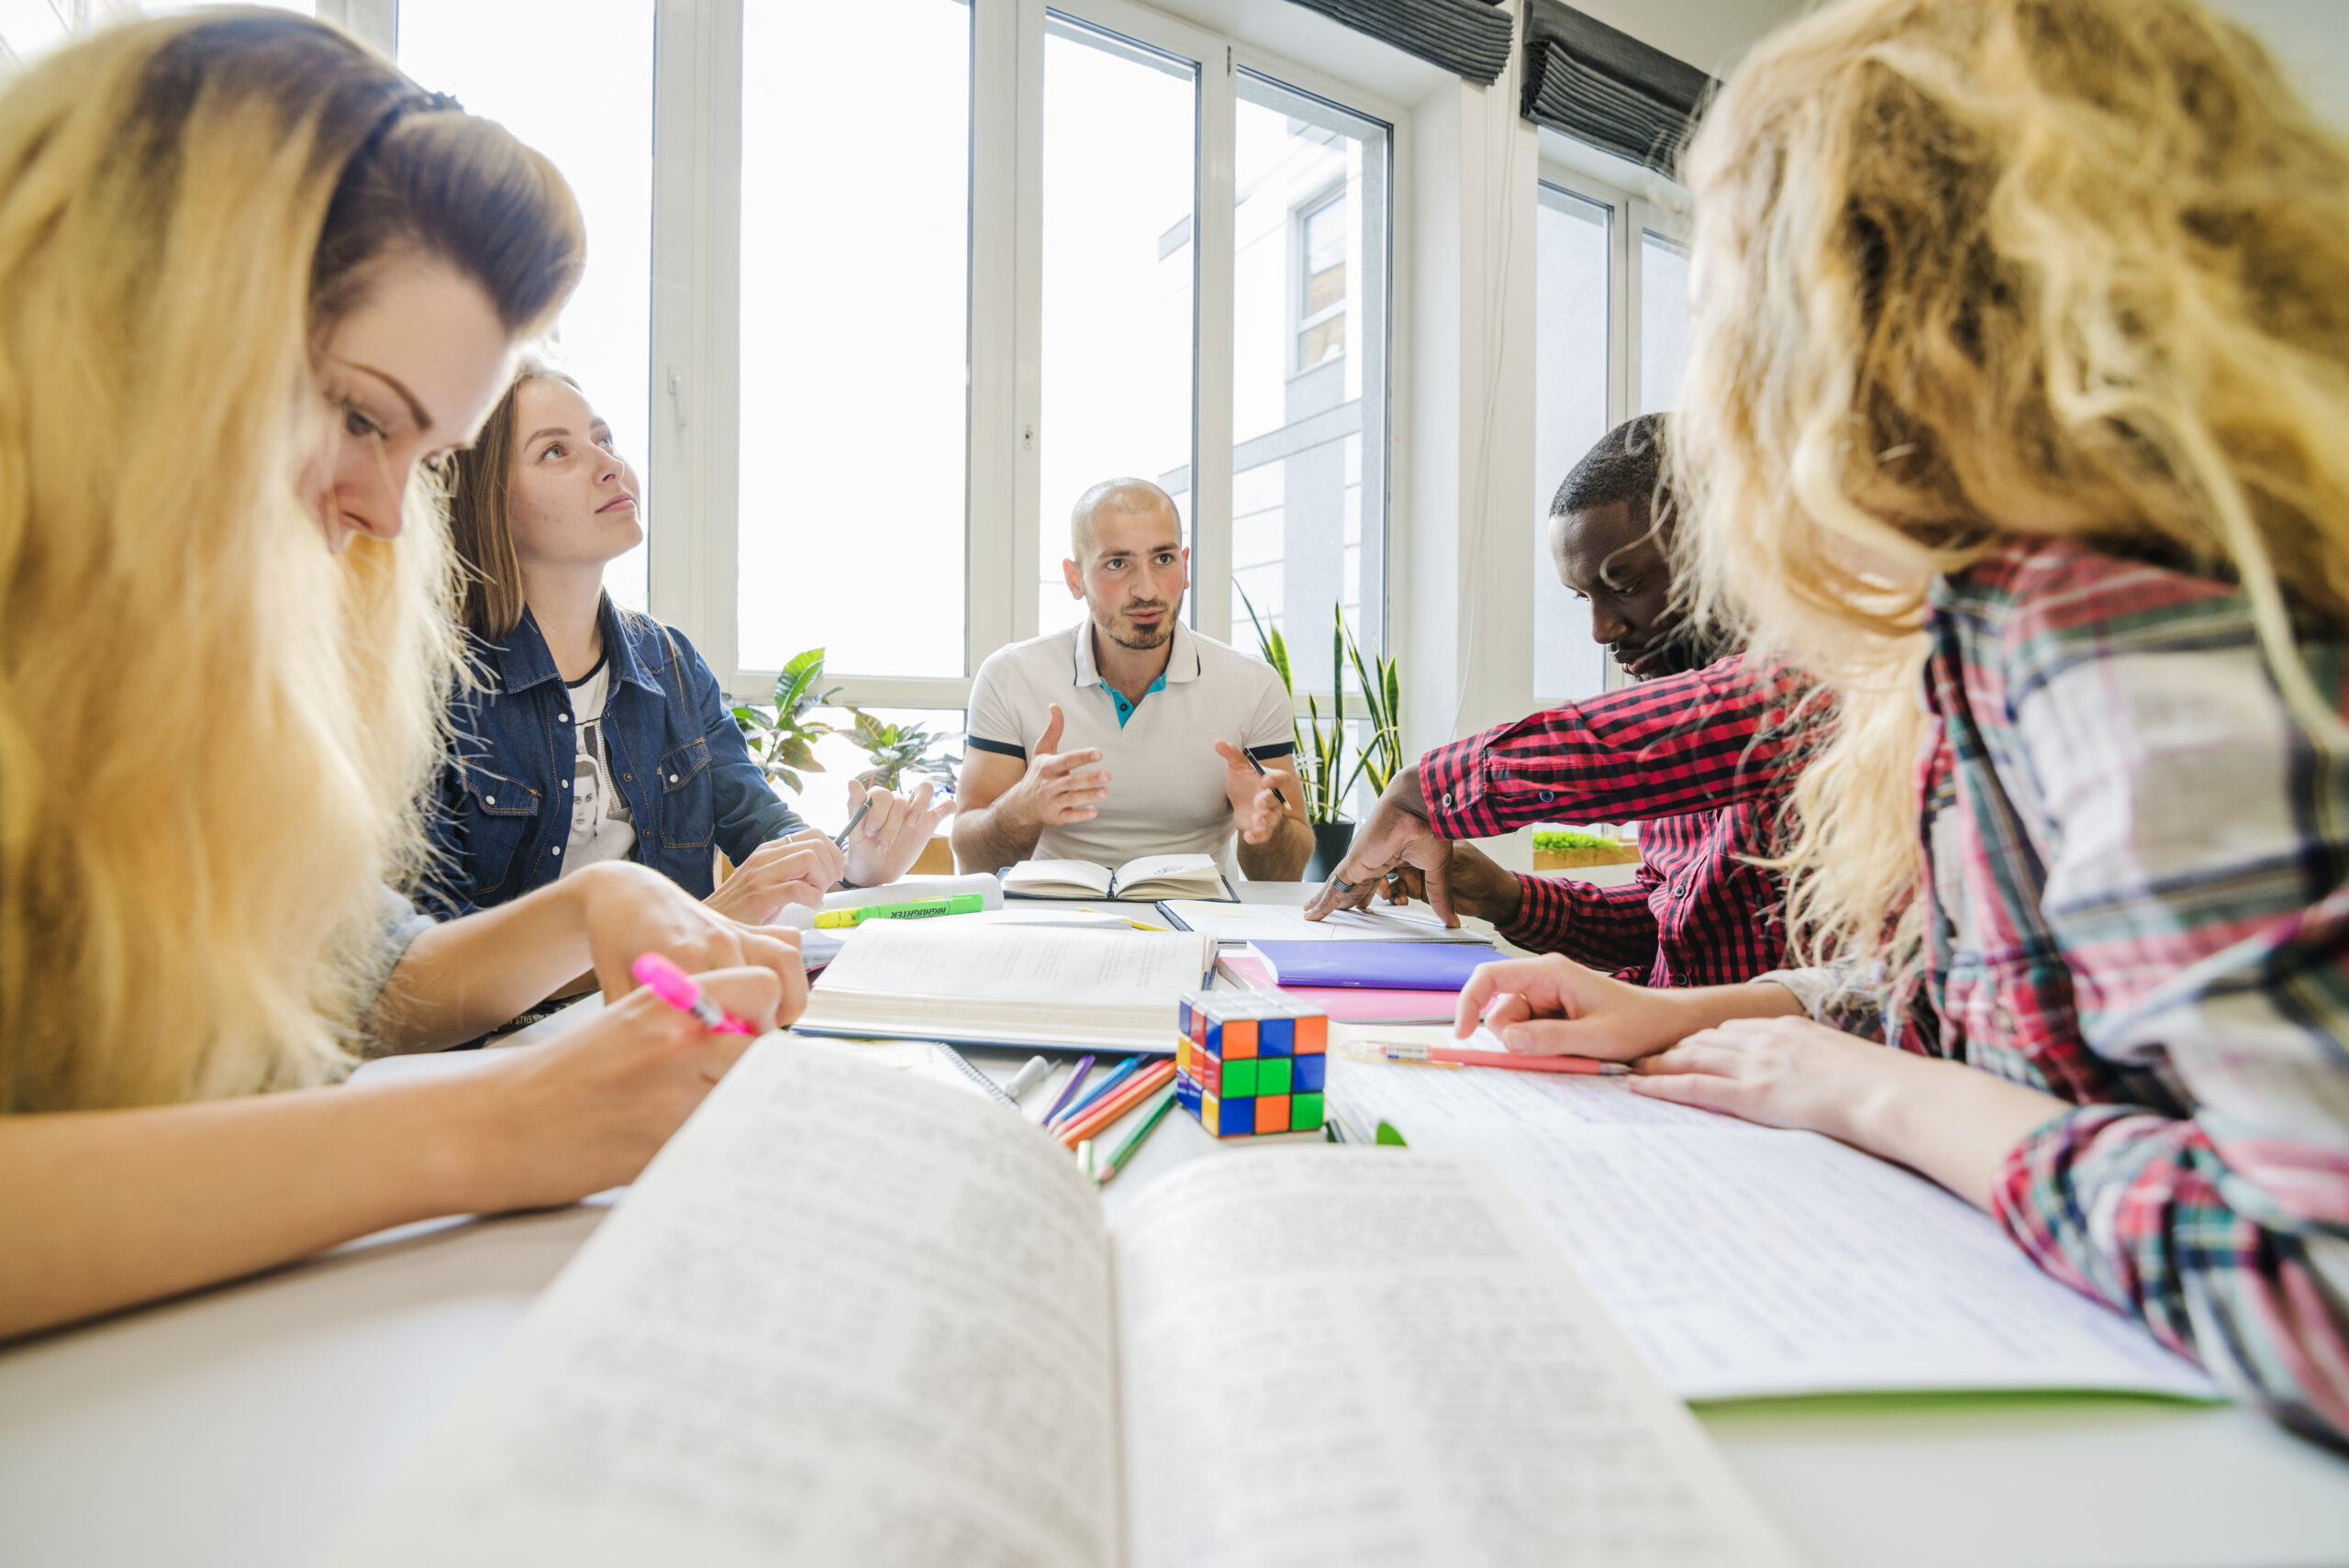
{"type": "Point", "coordinates": [1166, 631]}
{"type": "Point", "coordinates": [1683, 649]}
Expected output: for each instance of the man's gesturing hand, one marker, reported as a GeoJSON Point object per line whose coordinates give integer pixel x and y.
{"type": "Point", "coordinates": [1054, 792]}
{"type": "Point", "coordinates": [1259, 800]}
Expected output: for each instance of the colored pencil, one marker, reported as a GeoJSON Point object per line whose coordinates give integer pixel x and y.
{"type": "Point", "coordinates": [1108, 1085]}
{"type": "Point", "coordinates": [1150, 1125]}
{"type": "Point", "coordinates": [1075, 1080]}
{"type": "Point", "coordinates": [1140, 1087]}
{"type": "Point", "coordinates": [1444, 1056]}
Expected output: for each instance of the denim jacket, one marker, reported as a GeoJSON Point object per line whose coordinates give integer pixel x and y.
{"type": "Point", "coordinates": [503, 816]}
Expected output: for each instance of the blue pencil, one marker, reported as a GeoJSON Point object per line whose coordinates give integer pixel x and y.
{"type": "Point", "coordinates": [1124, 1070]}
{"type": "Point", "coordinates": [1083, 1065]}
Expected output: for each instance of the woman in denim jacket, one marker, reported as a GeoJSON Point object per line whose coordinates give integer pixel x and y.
{"type": "Point", "coordinates": [595, 733]}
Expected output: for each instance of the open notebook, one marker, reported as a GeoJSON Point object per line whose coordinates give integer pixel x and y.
{"type": "Point", "coordinates": [1145, 880]}
{"type": "Point", "coordinates": [848, 1318]}
{"type": "Point", "coordinates": [1746, 1262]}
{"type": "Point", "coordinates": [984, 984]}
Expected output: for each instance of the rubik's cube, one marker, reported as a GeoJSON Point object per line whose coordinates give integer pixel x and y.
{"type": "Point", "coordinates": [1251, 1062]}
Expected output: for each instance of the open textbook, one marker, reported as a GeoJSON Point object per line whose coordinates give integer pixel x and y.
{"type": "Point", "coordinates": [977, 984]}
{"type": "Point", "coordinates": [1148, 878]}
{"type": "Point", "coordinates": [1749, 1262]}
{"type": "Point", "coordinates": [848, 1318]}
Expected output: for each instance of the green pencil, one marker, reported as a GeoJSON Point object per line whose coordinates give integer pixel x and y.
{"type": "Point", "coordinates": [1150, 1125]}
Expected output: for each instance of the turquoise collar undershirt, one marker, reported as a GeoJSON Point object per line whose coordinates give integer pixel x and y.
{"type": "Point", "coordinates": [1125, 708]}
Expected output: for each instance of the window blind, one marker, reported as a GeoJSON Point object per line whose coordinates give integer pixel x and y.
{"type": "Point", "coordinates": [1605, 87]}
{"type": "Point", "coordinates": [1471, 37]}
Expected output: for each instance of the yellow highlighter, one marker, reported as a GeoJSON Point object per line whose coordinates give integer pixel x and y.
{"type": "Point", "coordinates": [960, 904]}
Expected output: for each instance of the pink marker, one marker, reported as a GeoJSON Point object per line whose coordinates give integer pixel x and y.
{"type": "Point", "coordinates": [677, 988]}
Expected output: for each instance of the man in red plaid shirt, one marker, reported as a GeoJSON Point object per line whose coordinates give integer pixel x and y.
{"type": "Point", "coordinates": [1699, 750]}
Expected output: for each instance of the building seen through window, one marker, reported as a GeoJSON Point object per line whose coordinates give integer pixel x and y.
{"type": "Point", "coordinates": [1322, 248]}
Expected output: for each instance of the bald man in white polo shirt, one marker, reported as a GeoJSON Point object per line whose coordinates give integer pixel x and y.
{"type": "Point", "coordinates": [1122, 737]}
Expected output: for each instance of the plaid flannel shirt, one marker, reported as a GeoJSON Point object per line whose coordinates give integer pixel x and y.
{"type": "Point", "coordinates": [1702, 760]}
{"type": "Point", "coordinates": [2135, 856]}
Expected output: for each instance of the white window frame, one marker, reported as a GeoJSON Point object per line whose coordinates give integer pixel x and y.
{"type": "Point", "coordinates": [696, 320]}
{"type": "Point", "coordinates": [1660, 210]}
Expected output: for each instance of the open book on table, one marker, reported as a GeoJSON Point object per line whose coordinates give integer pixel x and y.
{"type": "Point", "coordinates": [1747, 1262]}
{"type": "Point", "coordinates": [1143, 881]}
{"type": "Point", "coordinates": [1011, 984]}
{"type": "Point", "coordinates": [848, 1318]}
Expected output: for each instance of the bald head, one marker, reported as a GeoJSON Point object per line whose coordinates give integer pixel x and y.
{"type": "Point", "coordinates": [1114, 497]}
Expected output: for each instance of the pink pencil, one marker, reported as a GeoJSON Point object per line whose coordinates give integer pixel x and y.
{"type": "Point", "coordinates": [1445, 1056]}
{"type": "Point", "coordinates": [681, 991]}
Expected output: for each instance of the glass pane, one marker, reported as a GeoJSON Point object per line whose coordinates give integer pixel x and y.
{"type": "Point", "coordinates": [1308, 354]}
{"type": "Point", "coordinates": [1569, 415]}
{"type": "Point", "coordinates": [502, 60]}
{"type": "Point", "coordinates": [1120, 177]}
{"type": "Point", "coordinates": [856, 219]}
{"type": "Point", "coordinates": [1664, 321]}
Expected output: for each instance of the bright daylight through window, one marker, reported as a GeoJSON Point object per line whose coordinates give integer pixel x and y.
{"type": "Point", "coordinates": [1120, 162]}
{"type": "Point", "coordinates": [581, 92]}
{"type": "Point", "coordinates": [1310, 307]}
{"type": "Point", "coordinates": [855, 333]}
{"type": "Point", "coordinates": [1570, 376]}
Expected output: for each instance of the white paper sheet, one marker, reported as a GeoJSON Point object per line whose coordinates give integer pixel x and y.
{"type": "Point", "coordinates": [1352, 1357]}
{"type": "Point", "coordinates": [1745, 1261]}
{"type": "Point", "coordinates": [845, 1318]}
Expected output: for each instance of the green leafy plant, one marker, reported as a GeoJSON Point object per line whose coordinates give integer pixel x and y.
{"type": "Point", "coordinates": [1557, 841]}
{"type": "Point", "coordinates": [896, 749]}
{"type": "Point", "coordinates": [782, 735]}
{"type": "Point", "coordinates": [1322, 747]}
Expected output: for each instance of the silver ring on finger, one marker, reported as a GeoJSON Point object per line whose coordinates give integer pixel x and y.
{"type": "Point", "coordinates": [1341, 884]}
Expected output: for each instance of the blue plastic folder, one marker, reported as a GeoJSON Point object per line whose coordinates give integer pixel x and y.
{"type": "Point", "coordinates": [1384, 966]}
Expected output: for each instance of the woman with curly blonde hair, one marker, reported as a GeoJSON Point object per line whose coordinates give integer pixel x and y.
{"type": "Point", "coordinates": [2014, 415]}
{"type": "Point", "coordinates": [250, 277]}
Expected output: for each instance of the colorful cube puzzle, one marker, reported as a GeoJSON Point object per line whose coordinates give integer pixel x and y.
{"type": "Point", "coordinates": [1250, 1062]}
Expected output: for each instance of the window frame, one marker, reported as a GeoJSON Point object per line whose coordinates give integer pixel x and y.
{"type": "Point", "coordinates": [1659, 209]}
{"type": "Point", "coordinates": [696, 214]}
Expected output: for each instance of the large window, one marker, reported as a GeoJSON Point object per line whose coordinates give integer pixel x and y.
{"type": "Point", "coordinates": [851, 497]}
{"type": "Point", "coordinates": [1309, 302]}
{"type": "Point", "coordinates": [580, 92]}
{"type": "Point", "coordinates": [1570, 412]}
{"type": "Point", "coordinates": [1610, 340]}
{"type": "Point", "coordinates": [1119, 183]}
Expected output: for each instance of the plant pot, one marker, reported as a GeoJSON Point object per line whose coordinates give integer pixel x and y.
{"type": "Point", "coordinates": [1585, 855]}
{"type": "Point", "coordinates": [1330, 842]}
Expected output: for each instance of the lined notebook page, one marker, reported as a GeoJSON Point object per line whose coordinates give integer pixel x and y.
{"type": "Point", "coordinates": [1357, 1357]}
{"type": "Point", "coordinates": [844, 1317]}
{"type": "Point", "coordinates": [1747, 1262]}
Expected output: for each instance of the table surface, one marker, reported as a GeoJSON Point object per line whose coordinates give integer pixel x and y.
{"type": "Point", "coordinates": [241, 1426]}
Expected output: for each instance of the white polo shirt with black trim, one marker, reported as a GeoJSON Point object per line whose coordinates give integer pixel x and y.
{"type": "Point", "coordinates": [1166, 793]}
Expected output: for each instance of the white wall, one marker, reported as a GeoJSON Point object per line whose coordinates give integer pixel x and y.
{"type": "Point", "coordinates": [1708, 34]}
{"type": "Point", "coordinates": [2310, 39]}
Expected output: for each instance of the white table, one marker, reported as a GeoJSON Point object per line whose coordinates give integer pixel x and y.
{"type": "Point", "coordinates": [240, 1426]}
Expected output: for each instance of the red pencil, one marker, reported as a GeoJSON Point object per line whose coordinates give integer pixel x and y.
{"type": "Point", "coordinates": [1446, 1056]}
{"type": "Point", "coordinates": [1138, 1088]}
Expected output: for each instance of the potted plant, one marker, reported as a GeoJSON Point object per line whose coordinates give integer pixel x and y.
{"type": "Point", "coordinates": [896, 749]}
{"type": "Point", "coordinates": [782, 736]}
{"type": "Point", "coordinates": [1566, 849]}
{"type": "Point", "coordinates": [1320, 751]}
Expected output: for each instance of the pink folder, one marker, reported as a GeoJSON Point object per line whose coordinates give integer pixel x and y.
{"type": "Point", "coordinates": [1348, 1004]}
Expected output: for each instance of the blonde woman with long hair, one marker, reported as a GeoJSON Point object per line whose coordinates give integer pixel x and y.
{"type": "Point", "coordinates": [2015, 414]}
{"type": "Point", "coordinates": [250, 277]}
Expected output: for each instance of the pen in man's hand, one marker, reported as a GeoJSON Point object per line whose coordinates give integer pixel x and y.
{"type": "Point", "coordinates": [862, 806]}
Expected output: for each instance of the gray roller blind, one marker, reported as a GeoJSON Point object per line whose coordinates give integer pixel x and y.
{"type": "Point", "coordinates": [1469, 36]}
{"type": "Point", "coordinates": [1605, 87]}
